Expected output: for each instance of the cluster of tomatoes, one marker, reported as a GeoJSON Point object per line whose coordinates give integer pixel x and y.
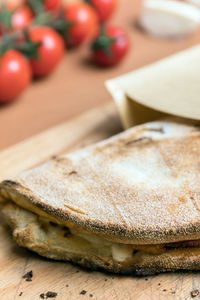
{"type": "Point", "coordinates": [34, 35]}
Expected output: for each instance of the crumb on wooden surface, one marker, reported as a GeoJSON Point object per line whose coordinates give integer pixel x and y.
{"type": "Point", "coordinates": [28, 276]}
{"type": "Point", "coordinates": [194, 293]}
{"type": "Point", "coordinates": [49, 294]}
{"type": "Point", "coordinates": [83, 292]}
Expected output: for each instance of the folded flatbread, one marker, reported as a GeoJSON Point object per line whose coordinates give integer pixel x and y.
{"type": "Point", "coordinates": [130, 204]}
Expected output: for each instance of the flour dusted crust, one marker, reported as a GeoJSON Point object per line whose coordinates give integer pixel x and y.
{"type": "Point", "coordinates": [139, 187]}
{"type": "Point", "coordinates": [137, 192]}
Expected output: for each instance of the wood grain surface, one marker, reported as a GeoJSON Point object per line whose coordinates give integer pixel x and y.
{"type": "Point", "coordinates": [77, 86]}
{"type": "Point", "coordinates": [63, 278]}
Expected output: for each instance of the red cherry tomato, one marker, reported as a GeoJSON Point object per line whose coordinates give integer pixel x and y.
{"type": "Point", "coordinates": [22, 17]}
{"type": "Point", "coordinates": [53, 5]}
{"type": "Point", "coordinates": [84, 22]}
{"type": "Point", "coordinates": [50, 52]}
{"type": "Point", "coordinates": [110, 48]}
{"type": "Point", "coordinates": [15, 75]}
{"type": "Point", "coordinates": [104, 8]}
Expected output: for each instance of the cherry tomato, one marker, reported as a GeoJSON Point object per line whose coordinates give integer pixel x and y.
{"type": "Point", "coordinates": [53, 5]}
{"type": "Point", "coordinates": [50, 52]}
{"type": "Point", "coordinates": [15, 75]}
{"type": "Point", "coordinates": [104, 8]}
{"type": "Point", "coordinates": [22, 17]}
{"type": "Point", "coordinates": [110, 48]}
{"type": "Point", "coordinates": [84, 22]}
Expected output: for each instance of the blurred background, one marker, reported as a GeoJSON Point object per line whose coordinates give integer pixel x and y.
{"type": "Point", "coordinates": [78, 85]}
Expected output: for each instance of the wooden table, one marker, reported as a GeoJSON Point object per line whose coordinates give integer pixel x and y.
{"type": "Point", "coordinates": [76, 85]}
{"type": "Point", "coordinates": [68, 280]}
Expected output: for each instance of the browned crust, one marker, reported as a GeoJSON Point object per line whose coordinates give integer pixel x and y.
{"type": "Point", "coordinates": [108, 231]}
{"type": "Point", "coordinates": [138, 214]}
{"type": "Point", "coordinates": [142, 262]}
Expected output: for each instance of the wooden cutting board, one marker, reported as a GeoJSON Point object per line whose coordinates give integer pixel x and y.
{"type": "Point", "coordinates": [63, 278]}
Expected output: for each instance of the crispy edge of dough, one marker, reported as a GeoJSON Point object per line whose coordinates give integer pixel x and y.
{"type": "Point", "coordinates": [144, 264]}
{"type": "Point", "coordinates": [108, 231]}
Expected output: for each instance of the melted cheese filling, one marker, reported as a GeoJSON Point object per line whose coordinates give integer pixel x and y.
{"type": "Point", "coordinates": [119, 252]}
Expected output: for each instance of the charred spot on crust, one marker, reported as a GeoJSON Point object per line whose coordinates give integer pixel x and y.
{"type": "Point", "coordinates": [53, 224]}
{"type": "Point", "coordinates": [65, 228]}
{"type": "Point", "coordinates": [160, 130]}
{"type": "Point", "coordinates": [72, 173]}
{"type": "Point", "coordinates": [11, 182]}
{"type": "Point", "coordinates": [58, 159]}
{"type": "Point", "coordinates": [67, 231]}
{"type": "Point", "coordinates": [135, 251]}
{"type": "Point", "coordinates": [182, 245]}
{"type": "Point", "coordinates": [137, 140]}
{"type": "Point", "coordinates": [146, 271]}
{"type": "Point", "coordinates": [89, 265]}
{"type": "Point", "coordinates": [170, 247]}
{"type": "Point", "coordinates": [197, 126]}
{"type": "Point", "coordinates": [141, 272]}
